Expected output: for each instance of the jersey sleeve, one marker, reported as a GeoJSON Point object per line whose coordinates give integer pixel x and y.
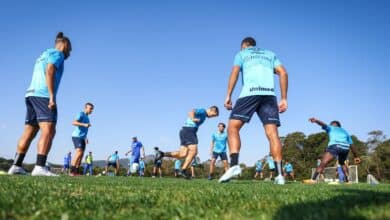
{"type": "Point", "coordinates": [238, 60]}
{"type": "Point", "coordinates": [200, 111]}
{"type": "Point", "coordinates": [56, 59]}
{"type": "Point", "coordinates": [350, 141]}
{"type": "Point", "coordinates": [78, 117]}
{"type": "Point", "coordinates": [327, 128]}
{"type": "Point", "coordinates": [276, 62]}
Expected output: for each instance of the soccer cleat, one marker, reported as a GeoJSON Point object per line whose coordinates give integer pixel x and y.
{"type": "Point", "coordinates": [279, 180]}
{"type": "Point", "coordinates": [184, 175]}
{"type": "Point", "coordinates": [41, 171]}
{"type": "Point", "coordinates": [16, 170]}
{"type": "Point", "coordinates": [309, 181]}
{"type": "Point", "coordinates": [230, 173]}
{"type": "Point", "coordinates": [210, 178]}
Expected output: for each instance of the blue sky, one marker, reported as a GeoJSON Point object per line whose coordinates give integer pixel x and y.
{"type": "Point", "coordinates": [145, 64]}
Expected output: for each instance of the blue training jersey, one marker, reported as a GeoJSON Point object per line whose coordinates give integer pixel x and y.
{"type": "Point", "coordinates": [200, 114]}
{"type": "Point", "coordinates": [177, 164]}
{"type": "Point", "coordinates": [288, 167]}
{"type": "Point", "coordinates": [38, 86]}
{"type": "Point", "coordinates": [338, 136]}
{"type": "Point", "coordinates": [271, 163]}
{"type": "Point", "coordinates": [257, 69]}
{"type": "Point", "coordinates": [259, 165]}
{"type": "Point", "coordinates": [81, 131]}
{"type": "Point", "coordinates": [67, 159]}
{"type": "Point", "coordinates": [220, 140]}
{"type": "Point", "coordinates": [114, 158]}
{"type": "Point", "coordinates": [141, 164]}
{"type": "Point", "coordinates": [136, 149]}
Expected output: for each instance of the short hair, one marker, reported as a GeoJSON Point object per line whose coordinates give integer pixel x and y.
{"type": "Point", "coordinates": [116, 152]}
{"type": "Point", "coordinates": [336, 122]}
{"type": "Point", "coordinates": [62, 38]}
{"type": "Point", "coordinates": [249, 40]}
{"type": "Point", "coordinates": [215, 108]}
{"type": "Point", "coordinates": [90, 104]}
{"type": "Point", "coordinates": [156, 148]}
{"type": "Point", "coordinates": [223, 124]}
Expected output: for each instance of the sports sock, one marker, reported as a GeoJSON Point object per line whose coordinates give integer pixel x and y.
{"type": "Point", "coordinates": [41, 160]}
{"type": "Point", "coordinates": [279, 168]}
{"type": "Point", "coordinates": [73, 169]}
{"type": "Point", "coordinates": [233, 159]}
{"type": "Point", "coordinates": [19, 157]}
{"type": "Point", "coordinates": [315, 175]}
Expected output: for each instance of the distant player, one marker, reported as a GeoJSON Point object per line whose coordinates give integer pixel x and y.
{"type": "Point", "coordinates": [158, 155]}
{"type": "Point", "coordinates": [258, 67]}
{"type": "Point", "coordinates": [288, 170]}
{"type": "Point", "coordinates": [88, 164]}
{"type": "Point", "coordinates": [321, 176]}
{"type": "Point", "coordinates": [271, 166]}
{"type": "Point", "coordinates": [259, 169]}
{"type": "Point", "coordinates": [188, 137]}
{"type": "Point", "coordinates": [41, 100]}
{"type": "Point", "coordinates": [177, 167]}
{"type": "Point", "coordinates": [218, 149]}
{"type": "Point", "coordinates": [340, 142]}
{"type": "Point", "coordinates": [79, 136]}
{"type": "Point", "coordinates": [137, 153]}
{"type": "Point", "coordinates": [141, 168]}
{"type": "Point", "coordinates": [67, 161]}
{"type": "Point", "coordinates": [113, 161]}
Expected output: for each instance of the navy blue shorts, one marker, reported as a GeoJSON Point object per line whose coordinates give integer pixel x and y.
{"type": "Point", "coordinates": [339, 153]}
{"type": "Point", "coordinates": [158, 163]}
{"type": "Point", "coordinates": [222, 155]}
{"type": "Point", "coordinates": [265, 106]}
{"type": "Point", "coordinates": [111, 164]}
{"type": "Point", "coordinates": [38, 111]}
{"type": "Point", "coordinates": [66, 166]}
{"type": "Point", "coordinates": [188, 136]}
{"type": "Point", "coordinates": [79, 143]}
{"type": "Point", "coordinates": [259, 171]}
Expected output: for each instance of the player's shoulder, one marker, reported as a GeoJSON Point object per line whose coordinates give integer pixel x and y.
{"type": "Point", "coordinates": [54, 53]}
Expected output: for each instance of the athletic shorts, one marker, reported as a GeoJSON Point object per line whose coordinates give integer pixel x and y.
{"type": "Point", "coordinates": [66, 166]}
{"type": "Point", "coordinates": [265, 106]}
{"type": "Point", "coordinates": [288, 173]}
{"type": "Point", "coordinates": [111, 164]}
{"type": "Point", "coordinates": [158, 163]}
{"type": "Point", "coordinates": [259, 171]}
{"type": "Point", "coordinates": [188, 136]}
{"type": "Point", "coordinates": [222, 155]}
{"type": "Point", "coordinates": [339, 153]}
{"type": "Point", "coordinates": [134, 159]}
{"type": "Point", "coordinates": [38, 111]}
{"type": "Point", "coordinates": [177, 170]}
{"type": "Point", "coordinates": [79, 143]}
{"type": "Point", "coordinates": [272, 170]}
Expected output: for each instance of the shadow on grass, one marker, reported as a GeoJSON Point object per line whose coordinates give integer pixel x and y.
{"type": "Point", "coordinates": [348, 204]}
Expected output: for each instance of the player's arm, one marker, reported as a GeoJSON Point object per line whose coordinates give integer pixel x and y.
{"type": "Point", "coordinates": [212, 146]}
{"type": "Point", "coordinates": [319, 122]}
{"type": "Point", "coordinates": [232, 83]}
{"type": "Point", "coordinates": [80, 124]}
{"type": "Point", "coordinates": [142, 152]}
{"type": "Point", "coordinates": [50, 82]}
{"type": "Point", "coordinates": [128, 152]}
{"type": "Point", "coordinates": [191, 115]}
{"type": "Point", "coordinates": [283, 80]}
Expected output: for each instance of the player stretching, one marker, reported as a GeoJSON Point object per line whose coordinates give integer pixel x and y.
{"type": "Point", "coordinates": [340, 142]}
{"type": "Point", "coordinates": [41, 106]}
{"type": "Point", "coordinates": [218, 149]}
{"type": "Point", "coordinates": [258, 67]}
{"type": "Point", "coordinates": [188, 138]}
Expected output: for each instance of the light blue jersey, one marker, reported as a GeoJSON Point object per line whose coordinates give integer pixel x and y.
{"type": "Point", "coordinates": [257, 68]}
{"type": "Point", "coordinates": [220, 140]}
{"type": "Point", "coordinates": [114, 158]}
{"type": "Point", "coordinates": [141, 165]}
{"type": "Point", "coordinates": [81, 131]}
{"type": "Point", "coordinates": [271, 163]}
{"type": "Point", "coordinates": [38, 86]}
{"type": "Point", "coordinates": [288, 167]}
{"type": "Point", "coordinates": [200, 114]}
{"type": "Point", "coordinates": [338, 136]}
{"type": "Point", "coordinates": [259, 166]}
{"type": "Point", "coordinates": [177, 164]}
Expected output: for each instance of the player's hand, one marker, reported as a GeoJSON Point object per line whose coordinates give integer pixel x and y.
{"type": "Point", "coordinates": [283, 105]}
{"type": "Point", "coordinates": [196, 120]}
{"type": "Point", "coordinates": [87, 125]}
{"type": "Point", "coordinates": [52, 104]}
{"type": "Point", "coordinates": [228, 103]}
{"type": "Point", "coordinates": [312, 120]}
{"type": "Point", "coordinates": [357, 160]}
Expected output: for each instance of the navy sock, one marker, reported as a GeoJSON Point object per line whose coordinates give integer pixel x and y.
{"type": "Point", "coordinates": [279, 168]}
{"type": "Point", "coordinates": [41, 160]}
{"type": "Point", "coordinates": [315, 175]}
{"type": "Point", "coordinates": [18, 161]}
{"type": "Point", "coordinates": [233, 159]}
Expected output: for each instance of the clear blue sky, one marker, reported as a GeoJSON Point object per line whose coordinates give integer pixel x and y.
{"type": "Point", "coordinates": [146, 64]}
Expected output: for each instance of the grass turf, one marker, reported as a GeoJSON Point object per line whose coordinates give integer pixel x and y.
{"type": "Point", "coordinates": [26, 197]}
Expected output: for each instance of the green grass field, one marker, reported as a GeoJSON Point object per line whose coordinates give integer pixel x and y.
{"type": "Point", "coordinates": [27, 197]}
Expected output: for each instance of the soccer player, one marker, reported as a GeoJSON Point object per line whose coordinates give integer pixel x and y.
{"type": "Point", "coordinates": [137, 152]}
{"type": "Point", "coordinates": [259, 169]}
{"type": "Point", "coordinates": [188, 137]}
{"type": "Point", "coordinates": [88, 164]}
{"type": "Point", "coordinates": [218, 149]}
{"type": "Point", "coordinates": [41, 106]}
{"type": "Point", "coordinates": [141, 168]}
{"type": "Point", "coordinates": [177, 167]}
{"type": "Point", "coordinates": [271, 165]}
{"type": "Point", "coordinates": [79, 136]}
{"type": "Point", "coordinates": [113, 160]}
{"type": "Point", "coordinates": [288, 170]}
{"type": "Point", "coordinates": [158, 155]}
{"type": "Point", "coordinates": [258, 67]}
{"type": "Point", "coordinates": [67, 161]}
{"type": "Point", "coordinates": [340, 142]}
